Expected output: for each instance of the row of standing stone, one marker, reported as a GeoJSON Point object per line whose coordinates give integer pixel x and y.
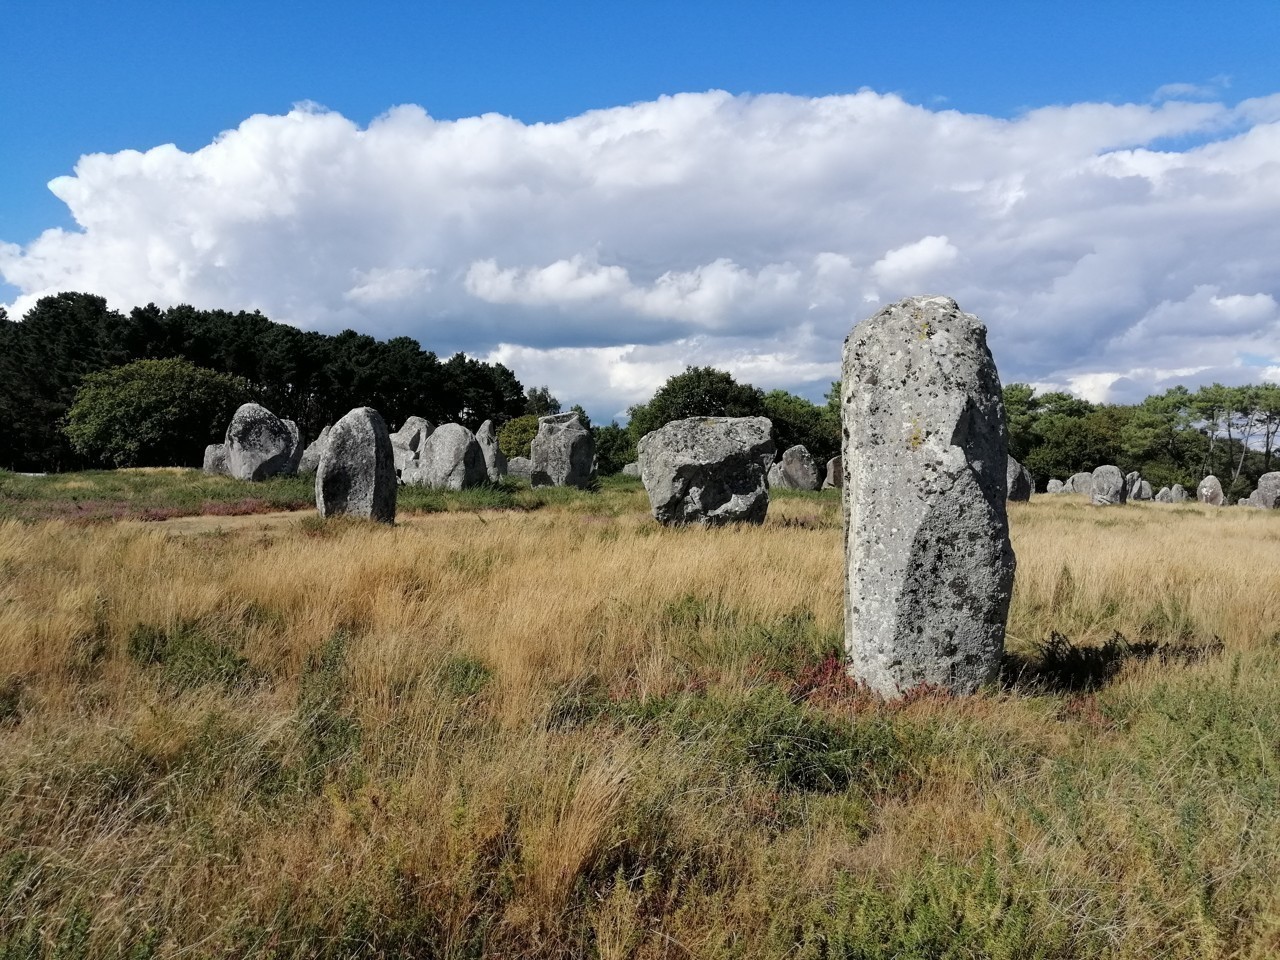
{"type": "Point", "coordinates": [1107, 486]}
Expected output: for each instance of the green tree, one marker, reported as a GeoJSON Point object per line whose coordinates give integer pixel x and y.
{"type": "Point", "coordinates": [152, 413]}
{"type": "Point", "coordinates": [540, 402]}
{"type": "Point", "coordinates": [615, 448]}
{"type": "Point", "coordinates": [515, 436]}
{"type": "Point", "coordinates": [1021, 410]}
{"type": "Point", "coordinates": [799, 421]}
{"type": "Point", "coordinates": [698, 392]}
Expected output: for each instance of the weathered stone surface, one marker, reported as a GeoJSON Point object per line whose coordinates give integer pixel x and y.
{"type": "Point", "coordinates": [834, 479]}
{"type": "Point", "coordinates": [631, 469]}
{"type": "Point", "coordinates": [1017, 480]}
{"type": "Point", "coordinates": [1132, 480]}
{"type": "Point", "coordinates": [1108, 486]}
{"type": "Point", "coordinates": [1164, 496]}
{"type": "Point", "coordinates": [519, 467]}
{"type": "Point", "coordinates": [928, 563]}
{"type": "Point", "coordinates": [707, 470]}
{"type": "Point", "coordinates": [311, 456]}
{"type": "Point", "coordinates": [406, 443]}
{"type": "Point", "coordinates": [1079, 483]}
{"type": "Point", "coordinates": [356, 474]}
{"type": "Point", "coordinates": [795, 470]}
{"type": "Point", "coordinates": [295, 453]}
{"type": "Point", "coordinates": [564, 453]}
{"type": "Point", "coordinates": [449, 459]}
{"type": "Point", "coordinates": [215, 460]}
{"type": "Point", "coordinates": [1210, 491]}
{"type": "Point", "coordinates": [1267, 495]}
{"type": "Point", "coordinates": [1055, 486]}
{"type": "Point", "coordinates": [495, 461]}
{"type": "Point", "coordinates": [259, 445]}
{"type": "Point", "coordinates": [1144, 491]}
{"type": "Point", "coordinates": [1179, 494]}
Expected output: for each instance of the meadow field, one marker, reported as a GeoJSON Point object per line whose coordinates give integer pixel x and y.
{"type": "Point", "coordinates": [537, 724]}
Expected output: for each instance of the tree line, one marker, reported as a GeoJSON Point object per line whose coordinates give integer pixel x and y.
{"type": "Point", "coordinates": [311, 378]}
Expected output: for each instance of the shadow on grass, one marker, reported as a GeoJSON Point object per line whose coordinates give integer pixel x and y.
{"type": "Point", "coordinates": [1062, 667]}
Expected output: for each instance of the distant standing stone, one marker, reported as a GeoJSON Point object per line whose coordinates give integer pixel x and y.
{"type": "Point", "coordinates": [311, 456]}
{"type": "Point", "coordinates": [519, 467]}
{"type": "Point", "coordinates": [356, 474]}
{"type": "Point", "coordinates": [1179, 494]}
{"type": "Point", "coordinates": [1132, 480]}
{"type": "Point", "coordinates": [1210, 491]}
{"type": "Point", "coordinates": [215, 460]}
{"type": "Point", "coordinates": [1164, 496]}
{"type": "Point", "coordinates": [631, 470]}
{"type": "Point", "coordinates": [296, 449]}
{"type": "Point", "coordinates": [1054, 486]}
{"type": "Point", "coordinates": [1144, 491]}
{"type": "Point", "coordinates": [795, 470]}
{"type": "Point", "coordinates": [1108, 486]}
{"type": "Point", "coordinates": [1267, 495]}
{"type": "Point", "coordinates": [707, 470]}
{"type": "Point", "coordinates": [564, 453]}
{"type": "Point", "coordinates": [1080, 483]}
{"type": "Point", "coordinates": [1017, 480]}
{"type": "Point", "coordinates": [495, 461]}
{"type": "Point", "coordinates": [449, 459]}
{"type": "Point", "coordinates": [929, 566]}
{"type": "Point", "coordinates": [834, 479]}
{"type": "Point", "coordinates": [259, 445]}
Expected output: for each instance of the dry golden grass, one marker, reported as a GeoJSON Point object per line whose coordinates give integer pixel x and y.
{"type": "Point", "coordinates": [571, 732]}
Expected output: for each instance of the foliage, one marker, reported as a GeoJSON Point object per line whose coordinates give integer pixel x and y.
{"type": "Point", "coordinates": [615, 448]}
{"type": "Point", "coordinates": [698, 392]}
{"type": "Point", "coordinates": [152, 413]}
{"type": "Point", "coordinates": [799, 421]}
{"type": "Point", "coordinates": [309, 377]}
{"type": "Point", "coordinates": [539, 402]}
{"type": "Point", "coordinates": [515, 436]}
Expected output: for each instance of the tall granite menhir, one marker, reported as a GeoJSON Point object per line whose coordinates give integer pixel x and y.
{"type": "Point", "coordinates": [928, 563]}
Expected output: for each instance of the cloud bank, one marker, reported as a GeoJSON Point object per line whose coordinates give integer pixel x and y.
{"type": "Point", "coordinates": [1111, 248]}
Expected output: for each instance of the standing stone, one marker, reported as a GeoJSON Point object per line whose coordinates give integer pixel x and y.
{"type": "Point", "coordinates": [928, 562]}
{"type": "Point", "coordinates": [520, 467]}
{"type": "Point", "coordinates": [311, 456]}
{"type": "Point", "coordinates": [707, 470]}
{"type": "Point", "coordinates": [795, 470]}
{"type": "Point", "coordinates": [1267, 496]}
{"type": "Point", "coordinates": [1108, 486]}
{"type": "Point", "coordinates": [631, 470]}
{"type": "Point", "coordinates": [564, 453]}
{"type": "Point", "coordinates": [1132, 481]}
{"type": "Point", "coordinates": [1144, 491]}
{"type": "Point", "coordinates": [356, 474]}
{"type": "Point", "coordinates": [1179, 494]}
{"type": "Point", "coordinates": [1080, 483]}
{"type": "Point", "coordinates": [1164, 496]}
{"type": "Point", "coordinates": [1055, 486]}
{"type": "Point", "coordinates": [295, 454]}
{"type": "Point", "coordinates": [259, 445]}
{"type": "Point", "coordinates": [449, 459]}
{"type": "Point", "coordinates": [495, 461]}
{"type": "Point", "coordinates": [215, 460]}
{"type": "Point", "coordinates": [1210, 491]}
{"type": "Point", "coordinates": [406, 443]}
{"type": "Point", "coordinates": [1017, 481]}
{"type": "Point", "coordinates": [834, 480]}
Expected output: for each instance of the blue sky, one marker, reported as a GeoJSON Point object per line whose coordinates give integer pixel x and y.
{"type": "Point", "coordinates": [85, 78]}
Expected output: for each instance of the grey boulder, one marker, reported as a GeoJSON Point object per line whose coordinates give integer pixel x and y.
{"type": "Point", "coordinates": [495, 461]}
{"type": "Point", "coordinates": [1018, 480]}
{"type": "Point", "coordinates": [707, 470]}
{"type": "Point", "coordinates": [1179, 494]}
{"type": "Point", "coordinates": [215, 460]}
{"type": "Point", "coordinates": [298, 448]}
{"type": "Point", "coordinates": [795, 470]}
{"type": "Point", "coordinates": [1079, 483]}
{"type": "Point", "coordinates": [1164, 496]}
{"type": "Point", "coordinates": [564, 453]}
{"type": "Point", "coordinates": [928, 563]}
{"type": "Point", "coordinates": [311, 456]}
{"type": "Point", "coordinates": [258, 443]}
{"type": "Point", "coordinates": [1108, 486]}
{"type": "Point", "coordinates": [1267, 495]}
{"type": "Point", "coordinates": [1144, 491]}
{"type": "Point", "coordinates": [356, 474]}
{"type": "Point", "coordinates": [1054, 486]}
{"type": "Point", "coordinates": [834, 480]}
{"type": "Point", "coordinates": [631, 469]}
{"type": "Point", "coordinates": [449, 459]}
{"type": "Point", "coordinates": [1210, 491]}
{"type": "Point", "coordinates": [406, 443]}
{"type": "Point", "coordinates": [519, 467]}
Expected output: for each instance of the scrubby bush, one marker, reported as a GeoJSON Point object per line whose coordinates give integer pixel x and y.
{"type": "Point", "coordinates": [516, 435]}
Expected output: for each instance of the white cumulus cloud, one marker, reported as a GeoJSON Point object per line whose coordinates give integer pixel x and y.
{"type": "Point", "coordinates": [602, 253]}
